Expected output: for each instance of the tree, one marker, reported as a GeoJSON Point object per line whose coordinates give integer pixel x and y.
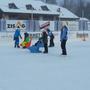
{"type": "Point", "coordinates": [87, 10]}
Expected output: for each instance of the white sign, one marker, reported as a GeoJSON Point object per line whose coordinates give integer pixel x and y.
{"type": "Point", "coordinates": [11, 25]}
{"type": "Point", "coordinates": [47, 24]}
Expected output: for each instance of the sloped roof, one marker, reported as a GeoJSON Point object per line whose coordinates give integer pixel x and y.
{"type": "Point", "coordinates": [64, 13]}
{"type": "Point", "coordinates": [84, 19]}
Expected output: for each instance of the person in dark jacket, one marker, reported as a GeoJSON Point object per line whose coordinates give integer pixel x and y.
{"type": "Point", "coordinates": [50, 34]}
{"type": "Point", "coordinates": [63, 39]}
{"type": "Point", "coordinates": [16, 37]}
{"type": "Point", "coordinates": [45, 41]}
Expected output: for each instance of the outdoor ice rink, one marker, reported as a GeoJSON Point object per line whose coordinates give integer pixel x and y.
{"type": "Point", "coordinates": [22, 70]}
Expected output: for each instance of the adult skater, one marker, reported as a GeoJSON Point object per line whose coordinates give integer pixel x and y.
{"type": "Point", "coordinates": [45, 41]}
{"type": "Point", "coordinates": [63, 39]}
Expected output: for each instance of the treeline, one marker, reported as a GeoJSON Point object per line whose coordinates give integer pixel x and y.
{"type": "Point", "coordinates": [79, 7]}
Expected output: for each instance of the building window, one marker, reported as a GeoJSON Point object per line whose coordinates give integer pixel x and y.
{"type": "Point", "coordinates": [58, 10]}
{"type": "Point", "coordinates": [29, 7]}
{"type": "Point", "coordinates": [44, 8]}
{"type": "Point", "coordinates": [12, 6]}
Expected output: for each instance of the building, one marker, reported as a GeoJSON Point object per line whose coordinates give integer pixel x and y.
{"type": "Point", "coordinates": [25, 10]}
{"type": "Point", "coordinates": [32, 13]}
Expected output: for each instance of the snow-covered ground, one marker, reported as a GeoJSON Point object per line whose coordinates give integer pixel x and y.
{"type": "Point", "coordinates": [22, 70]}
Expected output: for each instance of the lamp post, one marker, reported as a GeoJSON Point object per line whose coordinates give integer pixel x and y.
{"type": "Point", "coordinates": [59, 16]}
{"type": "Point", "coordinates": [84, 22]}
{"type": "Point", "coordinates": [32, 19]}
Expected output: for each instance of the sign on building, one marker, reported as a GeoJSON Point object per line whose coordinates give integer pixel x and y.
{"type": "Point", "coordinates": [11, 25]}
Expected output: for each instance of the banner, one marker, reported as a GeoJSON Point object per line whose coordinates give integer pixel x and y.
{"type": "Point", "coordinates": [47, 24]}
{"type": "Point", "coordinates": [11, 25]}
{"type": "Point", "coordinates": [27, 25]}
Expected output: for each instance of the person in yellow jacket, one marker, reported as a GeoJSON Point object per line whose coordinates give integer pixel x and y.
{"type": "Point", "coordinates": [27, 40]}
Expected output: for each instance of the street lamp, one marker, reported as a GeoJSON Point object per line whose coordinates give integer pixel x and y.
{"type": "Point", "coordinates": [84, 21]}
{"type": "Point", "coordinates": [32, 18]}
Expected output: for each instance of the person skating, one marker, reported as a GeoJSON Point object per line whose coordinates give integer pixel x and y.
{"type": "Point", "coordinates": [16, 37]}
{"type": "Point", "coordinates": [36, 47]}
{"type": "Point", "coordinates": [50, 34]}
{"type": "Point", "coordinates": [45, 41]}
{"type": "Point", "coordinates": [26, 41]}
{"type": "Point", "coordinates": [63, 39]}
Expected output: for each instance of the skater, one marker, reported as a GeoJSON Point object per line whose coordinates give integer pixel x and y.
{"type": "Point", "coordinates": [16, 37]}
{"type": "Point", "coordinates": [63, 39]}
{"type": "Point", "coordinates": [27, 41]}
{"type": "Point", "coordinates": [50, 34]}
{"type": "Point", "coordinates": [45, 41]}
{"type": "Point", "coordinates": [35, 48]}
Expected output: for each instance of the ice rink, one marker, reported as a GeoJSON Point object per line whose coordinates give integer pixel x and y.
{"type": "Point", "coordinates": [22, 70]}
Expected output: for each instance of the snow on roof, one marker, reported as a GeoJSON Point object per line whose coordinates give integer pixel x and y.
{"type": "Point", "coordinates": [85, 19]}
{"type": "Point", "coordinates": [67, 14]}
{"type": "Point", "coordinates": [64, 13]}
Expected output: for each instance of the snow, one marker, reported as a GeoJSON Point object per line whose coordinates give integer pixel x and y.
{"type": "Point", "coordinates": [22, 70]}
{"type": "Point", "coordinates": [22, 7]}
{"type": "Point", "coordinates": [64, 13]}
{"type": "Point", "coordinates": [84, 19]}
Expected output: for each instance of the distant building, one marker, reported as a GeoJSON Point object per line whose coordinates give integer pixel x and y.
{"type": "Point", "coordinates": [31, 14]}
{"type": "Point", "coordinates": [36, 10]}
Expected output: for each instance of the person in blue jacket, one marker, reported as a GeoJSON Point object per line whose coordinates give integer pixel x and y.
{"type": "Point", "coordinates": [16, 37]}
{"type": "Point", "coordinates": [50, 34]}
{"type": "Point", "coordinates": [35, 48]}
{"type": "Point", "coordinates": [63, 39]}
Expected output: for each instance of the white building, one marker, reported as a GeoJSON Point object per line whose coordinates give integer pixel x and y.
{"type": "Point", "coordinates": [28, 9]}
{"type": "Point", "coordinates": [11, 11]}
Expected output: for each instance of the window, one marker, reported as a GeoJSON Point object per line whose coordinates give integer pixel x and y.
{"type": "Point", "coordinates": [29, 7]}
{"type": "Point", "coordinates": [45, 8]}
{"type": "Point", "coordinates": [58, 10]}
{"type": "Point", "coordinates": [1, 10]}
{"type": "Point", "coordinates": [12, 6]}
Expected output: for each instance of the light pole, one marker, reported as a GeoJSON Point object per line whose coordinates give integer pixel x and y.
{"type": "Point", "coordinates": [32, 19]}
{"type": "Point", "coordinates": [84, 22]}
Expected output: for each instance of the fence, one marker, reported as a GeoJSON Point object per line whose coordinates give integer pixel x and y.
{"type": "Point", "coordinates": [27, 25]}
{"type": "Point", "coordinates": [7, 28]}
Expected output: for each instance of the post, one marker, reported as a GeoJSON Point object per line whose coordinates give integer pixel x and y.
{"type": "Point", "coordinates": [84, 22]}
{"type": "Point", "coordinates": [83, 25]}
{"type": "Point", "coordinates": [59, 18]}
{"type": "Point", "coordinates": [32, 19]}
